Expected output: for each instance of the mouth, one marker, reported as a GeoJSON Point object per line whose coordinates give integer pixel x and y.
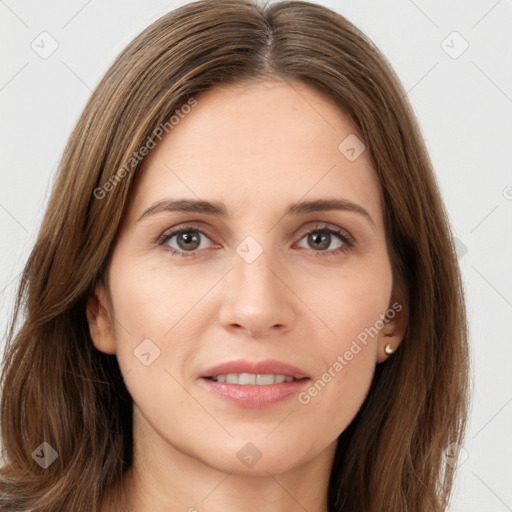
{"type": "Point", "coordinates": [248, 379]}
{"type": "Point", "coordinates": [254, 384]}
{"type": "Point", "coordinates": [263, 369]}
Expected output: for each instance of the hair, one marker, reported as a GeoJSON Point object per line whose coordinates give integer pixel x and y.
{"type": "Point", "coordinates": [58, 388]}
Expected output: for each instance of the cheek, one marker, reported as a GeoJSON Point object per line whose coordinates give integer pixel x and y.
{"type": "Point", "coordinates": [348, 303]}
{"type": "Point", "coordinates": [157, 328]}
{"type": "Point", "coordinates": [350, 308]}
{"type": "Point", "coordinates": [153, 301]}
{"type": "Point", "coordinates": [334, 396]}
{"type": "Point", "coordinates": [158, 315]}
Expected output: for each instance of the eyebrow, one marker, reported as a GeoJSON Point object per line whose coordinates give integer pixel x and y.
{"type": "Point", "coordinates": [219, 209]}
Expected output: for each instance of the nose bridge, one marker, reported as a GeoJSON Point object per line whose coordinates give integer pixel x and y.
{"type": "Point", "coordinates": [256, 298]}
{"type": "Point", "coordinates": [254, 269]}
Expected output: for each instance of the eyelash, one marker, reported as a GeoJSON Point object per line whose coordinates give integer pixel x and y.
{"type": "Point", "coordinates": [342, 235]}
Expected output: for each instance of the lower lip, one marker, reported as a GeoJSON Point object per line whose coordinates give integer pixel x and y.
{"type": "Point", "coordinates": [254, 396]}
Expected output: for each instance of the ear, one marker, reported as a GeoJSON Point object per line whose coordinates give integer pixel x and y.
{"type": "Point", "coordinates": [101, 326]}
{"type": "Point", "coordinates": [395, 324]}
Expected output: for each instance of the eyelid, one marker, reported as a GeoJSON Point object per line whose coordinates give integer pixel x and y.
{"type": "Point", "coordinates": [185, 226]}
{"type": "Point", "coordinates": [322, 225]}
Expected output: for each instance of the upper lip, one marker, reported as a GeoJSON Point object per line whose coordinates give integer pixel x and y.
{"type": "Point", "coordinates": [268, 366]}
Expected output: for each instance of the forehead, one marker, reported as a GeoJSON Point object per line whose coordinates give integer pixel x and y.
{"type": "Point", "coordinates": [265, 143]}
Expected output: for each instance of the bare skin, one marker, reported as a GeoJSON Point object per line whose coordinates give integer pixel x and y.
{"type": "Point", "coordinates": [256, 148]}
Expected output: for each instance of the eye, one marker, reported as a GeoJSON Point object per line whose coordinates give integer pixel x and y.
{"type": "Point", "coordinates": [323, 237]}
{"type": "Point", "coordinates": [188, 241]}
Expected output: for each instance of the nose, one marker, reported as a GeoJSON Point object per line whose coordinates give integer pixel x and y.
{"type": "Point", "coordinates": [256, 298]}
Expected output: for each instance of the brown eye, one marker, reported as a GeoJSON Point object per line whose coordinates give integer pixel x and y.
{"type": "Point", "coordinates": [326, 240]}
{"type": "Point", "coordinates": [319, 240]}
{"type": "Point", "coordinates": [188, 240]}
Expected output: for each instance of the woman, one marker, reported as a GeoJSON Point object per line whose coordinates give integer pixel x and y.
{"type": "Point", "coordinates": [182, 345]}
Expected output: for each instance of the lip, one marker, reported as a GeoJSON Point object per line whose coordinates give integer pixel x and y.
{"type": "Point", "coordinates": [257, 367]}
{"type": "Point", "coordinates": [255, 396]}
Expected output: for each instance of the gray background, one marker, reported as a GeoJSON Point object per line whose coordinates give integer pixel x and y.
{"type": "Point", "coordinates": [463, 100]}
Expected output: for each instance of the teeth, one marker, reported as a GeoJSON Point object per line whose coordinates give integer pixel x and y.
{"type": "Point", "coordinates": [250, 378]}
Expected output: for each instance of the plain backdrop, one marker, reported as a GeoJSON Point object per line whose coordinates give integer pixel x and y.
{"type": "Point", "coordinates": [455, 61]}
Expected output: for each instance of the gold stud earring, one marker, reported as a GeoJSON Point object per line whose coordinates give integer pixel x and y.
{"type": "Point", "coordinates": [389, 349]}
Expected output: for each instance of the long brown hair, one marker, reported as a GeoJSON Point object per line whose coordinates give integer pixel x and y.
{"type": "Point", "coordinates": [59, 389]}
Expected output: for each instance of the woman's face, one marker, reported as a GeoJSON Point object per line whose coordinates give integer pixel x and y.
{"type": "Point", "coordinates": [267, 281]}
